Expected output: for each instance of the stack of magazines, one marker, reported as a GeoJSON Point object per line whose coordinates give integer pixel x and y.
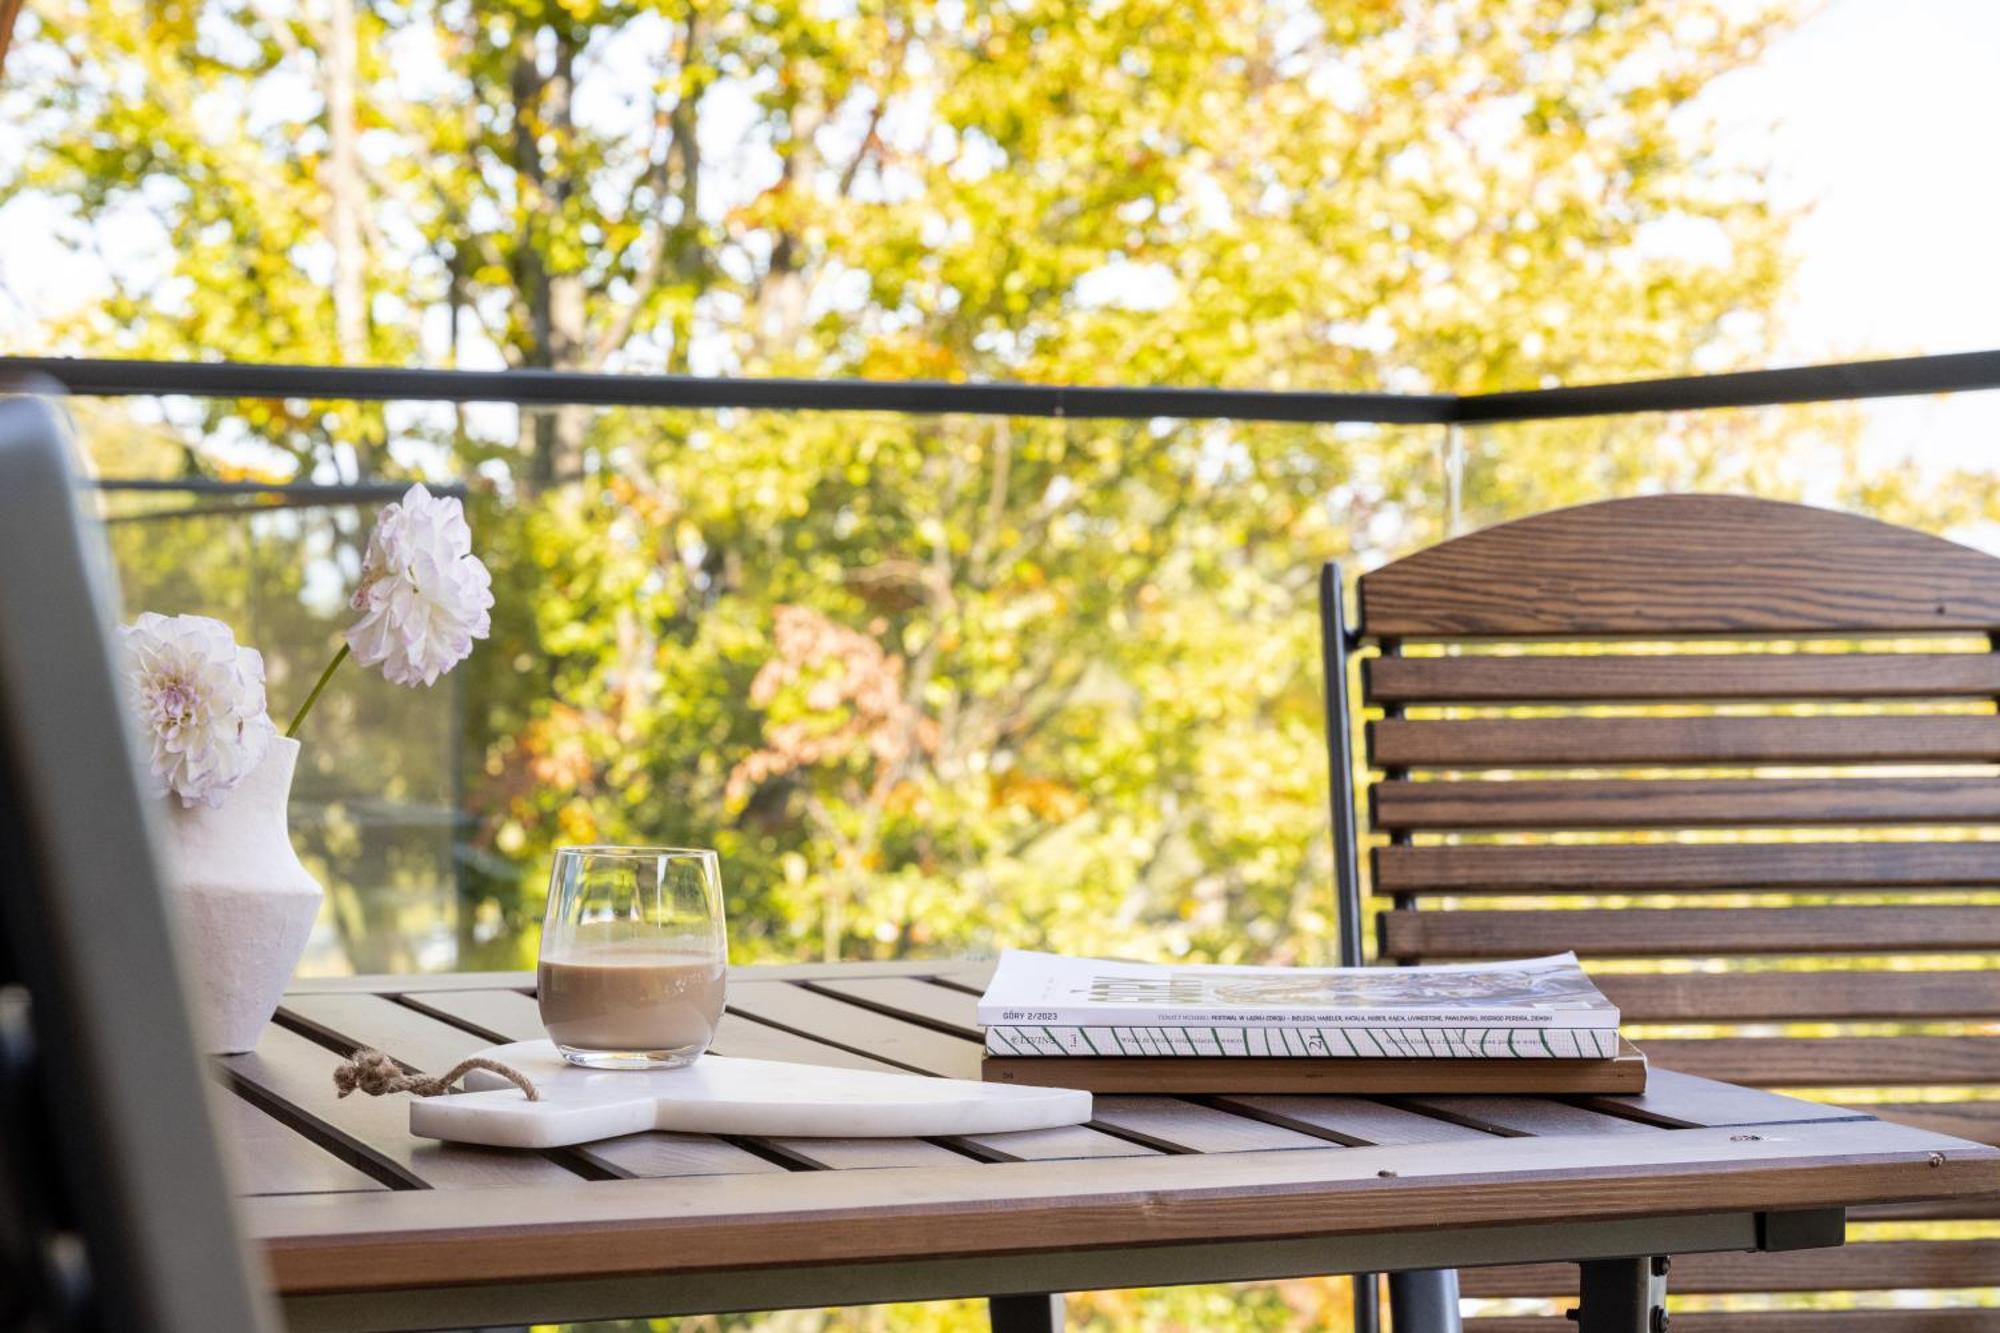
{"type": "Point", "coordinates": [1534, 1025]}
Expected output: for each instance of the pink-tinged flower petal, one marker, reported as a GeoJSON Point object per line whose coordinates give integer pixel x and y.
{"type": "Point", "coordinates": [200, 699]}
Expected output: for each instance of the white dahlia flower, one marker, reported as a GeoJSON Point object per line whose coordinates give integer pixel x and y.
{"type": "Point", "coordinates": [424, 595]}
{"type": "Point", "coordinates": [200, 698]}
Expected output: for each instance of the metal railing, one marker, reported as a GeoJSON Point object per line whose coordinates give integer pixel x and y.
{"type": "Point", "coordinates": [1845, 381]}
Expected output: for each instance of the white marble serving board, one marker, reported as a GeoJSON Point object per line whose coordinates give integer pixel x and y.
{"type": "Point", "coordinates": [720, 1095]}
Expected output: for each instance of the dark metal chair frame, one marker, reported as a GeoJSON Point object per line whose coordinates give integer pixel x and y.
{"type": "Point", "coordinates": [1423, 1302]}
{"type": "Point", "coordinates": [114, 1207]}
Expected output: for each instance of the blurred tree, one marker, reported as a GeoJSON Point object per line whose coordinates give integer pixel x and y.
{"type": "Point", "coordinates": [10, 13]}
{"type": "Point", "coordinates": [931, 683]}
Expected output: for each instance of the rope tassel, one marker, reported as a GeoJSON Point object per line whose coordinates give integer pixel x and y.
{"type": "Point", "coordinates": [374, 1073]}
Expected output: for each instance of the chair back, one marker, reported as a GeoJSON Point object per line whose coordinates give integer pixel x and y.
{"type": "Point", "coordinates": [1737, 754]}
{"type": "Point", "coordinates": [114, 1213]}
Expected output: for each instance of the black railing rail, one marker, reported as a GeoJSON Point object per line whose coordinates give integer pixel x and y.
{"type": "Point", "coordinates": [561, 388]}
{"type": "Point", "coordinates": [331, 492]}
{"type": "Point", "coordinates": [235, 499]}
{"type": "Point", "coordinates": [1846, 381]}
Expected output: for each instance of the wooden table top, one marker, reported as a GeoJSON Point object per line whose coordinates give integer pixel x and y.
{"type": "Point", "coordinates": [350, 1208]}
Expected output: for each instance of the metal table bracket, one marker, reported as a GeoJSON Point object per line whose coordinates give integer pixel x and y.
{"type": "Point", "coordinates": [1032, 1313]}
{"type": "Point", "coordinates": [1623, 1296]}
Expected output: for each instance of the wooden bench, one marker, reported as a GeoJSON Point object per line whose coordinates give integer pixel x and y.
{"type": "Point", "coordinates": [1738, 754]}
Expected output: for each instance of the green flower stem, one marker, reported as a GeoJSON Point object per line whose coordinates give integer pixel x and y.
{"type": "Point", "coordinates": [313, 698]}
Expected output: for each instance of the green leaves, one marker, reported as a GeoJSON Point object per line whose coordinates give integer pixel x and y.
{"type": "Point", "coordinates": [936, 683]}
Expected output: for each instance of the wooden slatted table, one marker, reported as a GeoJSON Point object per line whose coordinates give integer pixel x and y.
{"type": "Point", "coordinates": [366, 1227]}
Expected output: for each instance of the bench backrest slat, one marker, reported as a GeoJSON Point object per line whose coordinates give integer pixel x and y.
{"type": "Point", "coordinates": [1683, 565]}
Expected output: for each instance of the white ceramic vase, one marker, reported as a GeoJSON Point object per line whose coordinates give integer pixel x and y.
{"type": "Point", "coordinates": [247, 905]}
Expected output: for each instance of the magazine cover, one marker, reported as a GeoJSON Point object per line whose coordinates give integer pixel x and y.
{"type": "Point", "coordinates": [1047, 1004]}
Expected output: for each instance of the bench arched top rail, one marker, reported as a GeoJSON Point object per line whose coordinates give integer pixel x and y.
{"type": "Point", "coordinates": [1670, 565]}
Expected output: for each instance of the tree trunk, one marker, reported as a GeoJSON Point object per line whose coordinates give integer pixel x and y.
{"type": "Point", "coordinates": [552, 439]}
{"type": "Point", "coordinates": [9, 11]}
{"type": "Point", "coordinates": [344, 186]}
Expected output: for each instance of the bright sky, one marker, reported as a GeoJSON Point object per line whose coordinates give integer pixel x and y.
{"type": "Point", "coordinates": [1879, 115]}
{"type": "Point", "coordinates": [1886, 114]}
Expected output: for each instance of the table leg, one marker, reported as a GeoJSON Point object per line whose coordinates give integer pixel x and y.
{"type": "Point", "coordinates": [1623, 1296]}
{"type": "Point", "coordinates": [1367, 1304]}
{"type": "Point", "coordinates": [1424, 1301]}
{"type": "Point", "coordinates": [1039, 1313]}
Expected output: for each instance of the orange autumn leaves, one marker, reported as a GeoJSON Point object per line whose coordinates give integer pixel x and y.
{"type": "Point", "coordinates": [831, 695]}
{"type": "Point", "coordinates": [834, 696]}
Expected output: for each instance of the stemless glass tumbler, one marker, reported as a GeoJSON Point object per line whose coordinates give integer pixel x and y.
{"type": "Point", "coordinates": [634, 956]}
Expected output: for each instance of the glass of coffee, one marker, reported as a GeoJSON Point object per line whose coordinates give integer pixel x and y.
{"type": "Point", "coordinates": [633, 956]}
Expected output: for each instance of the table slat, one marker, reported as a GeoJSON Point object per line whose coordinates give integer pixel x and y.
{"type": "Point", "coordinates": [945, 1007]}
{"type": "Point", "coordinates": [1682, 1101]}
{"type": "Point", "coordinates": [1052, 1145]}
{"type": "Point", "coordinates": [1352, 1120]}
{"type": "Point", "coordinates": [914, 998]}
{"type": "Point", "coordinates": [432, 1045]}
{"type": "Point", "coordinates": [430, 983]}
{"type": "Point", "coordinates": [751, 1040]}
{"type": "Point", "coordinates": [512, 1016]}
{"type": "Point", "coordinates": [425, 983]}
{"type": "Point", "coordinates": [500, 1016]}
{"type": "Point", "coordinates": [1176, 1125]}
{"type": "Point", "coordinates": [1534, 1116]}
{"type": "Point", "coordinates": [808, 1013]}
{"type": "Point", "coordinates": [971, 977]}
{"type": "Point", "coordinates": [271, 1157]}
{"type": "Point", "coordinates": [1158, 1122]}
{"type": "Point", "coordinates": [906, 967]}
{"type": "Point", "coordinates": [517, 1017]}
{"type": "Point", "coordinates": [294, 1073]}
{"type": "Point", "coordinates": [868, 1154]}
